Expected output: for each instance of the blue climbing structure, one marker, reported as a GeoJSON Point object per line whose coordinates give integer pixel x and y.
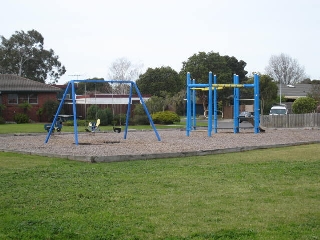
{"type": "Point", "coordinates": [212, 87]}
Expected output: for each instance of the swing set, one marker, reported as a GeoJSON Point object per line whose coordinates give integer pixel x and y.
{"type": "Point", "coordinates": [71, 84]}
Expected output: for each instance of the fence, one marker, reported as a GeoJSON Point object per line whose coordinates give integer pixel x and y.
{"type": "Point", "coordinates": [290, 120]}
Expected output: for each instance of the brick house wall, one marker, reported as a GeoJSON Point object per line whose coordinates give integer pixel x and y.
{"type": "Point", "coordinates": [11, 109]}
{"type": "Point", "coordinates": [16, 90]}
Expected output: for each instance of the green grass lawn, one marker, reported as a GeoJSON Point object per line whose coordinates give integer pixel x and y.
{"type": "Point", "coordinates": [263, 194]}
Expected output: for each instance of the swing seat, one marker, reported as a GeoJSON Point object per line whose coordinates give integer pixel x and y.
{"type": "Point", "coordinates": [117, 129]}
{"type": "Point", "coordinates": [57, 127]}
{"type": "Point", "coordinates": [93, 127]}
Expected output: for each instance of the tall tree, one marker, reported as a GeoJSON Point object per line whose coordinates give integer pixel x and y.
{"type": "Point", "coordinates": [123, 69]}
{"type": "Point", "coordinates": [158, 80]}
{"type": "Point", "coordinates": [285, 70]}
{"type": "Point", "coordinates": [23, 54]}
{"type": "Point", "coordinates": [199, 65]}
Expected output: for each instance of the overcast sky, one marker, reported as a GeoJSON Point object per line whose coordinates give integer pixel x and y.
{"type": "Point", "coordinates": [89, 35]}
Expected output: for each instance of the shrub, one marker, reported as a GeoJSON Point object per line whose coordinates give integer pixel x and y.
{"type": "Point", "coordinates": [92, 112]}
{"type": "Point", "coordinates": [2, 121]}
{"type": "Point", "coordinates": [119, 119]}
{"type": "Point", "coordinates": [105, 115]}
{"type": "Point", "coordinates": [141, 120]}
{"type": "Point", "coordinates": [50, 107]}
{"type": "Point", "coordinates": [21, 118]}
{"type": "Point", "coordinates": [165, 117]}
{"type": "Point", "coordinates": [304, 105]}
{"type": "Point", "coordinates": [25, 106]}
{"type": "Point", "coordinates": [80, 123]}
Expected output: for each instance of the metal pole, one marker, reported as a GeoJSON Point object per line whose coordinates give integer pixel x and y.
{"type": "Point", "coordinates": [256, 103]}
{"type": "Point", "coordinates": [188, 122]}
{"type": "Point", "coordinates": [236, 104]}
{"type": "Point", "coordinates": [215, 107]}
{"type": "Point", "coordinates": [57, 113]}
{"type": "Point", "coordinates": [128, 112]}
{"type": "Point", "coordinates": [146, 111]}
{"type": "Point", "coordinates": [210, 106]}
{"type": "Point", "coordinates": [75, 127]}
{"type": "Point", "coordinates": [194, 106]}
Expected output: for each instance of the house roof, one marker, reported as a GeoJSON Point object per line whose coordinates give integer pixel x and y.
{"type": "Point", "coordinates": [14, 83]}
{"type": "Point", "coordinates": [294, 91]}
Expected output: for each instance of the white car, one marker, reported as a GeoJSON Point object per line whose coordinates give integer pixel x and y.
{"type": "Point", "coordinates": [278, 110]}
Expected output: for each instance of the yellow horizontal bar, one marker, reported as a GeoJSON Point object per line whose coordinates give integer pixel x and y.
{"type": "Point", "coordinates": [206, 88]}
{"type": "Point", "coordinates": [228, 85]}
{"type": "Point", "coordinates": [220, 86]}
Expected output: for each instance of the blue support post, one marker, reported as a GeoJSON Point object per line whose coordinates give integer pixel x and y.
{"type": "Point", "coordinates": [236, 104]}
{"type": "Point", "coordinates": [215, 107]}
{"type": "Point", "coordinates": [194, 115]}
{"type": "Point", "coordinates": [128, 113]}
{"type": "Point", "coordinates": [75, 126]}
{"type": "Point", "coordinates": [210, 106]}
{"type": "Point", "coordinates": [256, 103]}
{"type": "Point", "coordinates": [188, 122]}
{"type": "Point", "coordinates": [57, 113]}
{"type": "Point", "coordinates": [146, 111]}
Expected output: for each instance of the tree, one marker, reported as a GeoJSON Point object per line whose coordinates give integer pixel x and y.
{"type": "Point", "coordinates": [177, 102]}
{"type": "Point", "coordinates": [199, 65]}
{"type": "Point", "coordinates": [268, 92]}
{"type": "Point", "coordinates": [123, 69]}
{"type": "Point", "coordinates": [304, 105]}
{"type": "Point", "coordinates": [159, 80]}
{"type": "Point", "coordinates": [94, 87]}
{"type": "Point", "coordinates": [50, 108]}
{"type": "Point", "coordinates": [23, 54]}
{"type": "Point", "coordinates": [306, 81]}
{"type": "Point", "coordinates": [285, 70]}
{"type": "Point", "coordinates": [315, 92]}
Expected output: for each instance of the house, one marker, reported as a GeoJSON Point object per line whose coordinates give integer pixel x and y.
{"type": "Point", "coordinates": [290, 93]}
{"type": "Point", "coordinates": [15, 90]}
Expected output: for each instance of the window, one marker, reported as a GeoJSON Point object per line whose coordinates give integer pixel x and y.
{"type": "Point", "coordinates": [13, 98]}
{"type": "Point", "coordinates": [33, 98]}
{"type": "Point", "coordinates": [23, 98]}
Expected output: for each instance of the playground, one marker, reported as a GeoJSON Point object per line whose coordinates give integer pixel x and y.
{"type": "Point", "coordinates": [97, 146]}
{"type": "Point", "coordinates": [143, 145]}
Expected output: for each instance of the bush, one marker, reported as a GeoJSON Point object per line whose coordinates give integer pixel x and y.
{"type": "Point", "coordinates": [304, 105]}
{"type": "Point", "coordinates": [2, 121]}
{"type": "Point", "coordinates": [21, 118]}
{"type": "Point", "coordinates": [50, 107]}
{"type": "Point", "coordinates": [119, 119]}
{"type": "Point", "coordinates": [141, 120]}
{"type": "Point", "coordinates": [105, 115]}
{"type": "Point", "coordinates": [165, 117]}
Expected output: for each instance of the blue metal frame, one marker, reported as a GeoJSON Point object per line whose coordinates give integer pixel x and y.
{"type": "Point", "coordinates": [256, 82]}
{"type": "Point", "coordinates": [210, 106]}
{"type": "Point", "coordinates": [215, 107]}
{"type": "Point", "coordinates": [213, 87]}
{"type": "Point", "coordinates": [236, 101]}
{"type": "Point", "coordinates": [72, 85]}
{"type": "Point", "coordinates": [188, 122]}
